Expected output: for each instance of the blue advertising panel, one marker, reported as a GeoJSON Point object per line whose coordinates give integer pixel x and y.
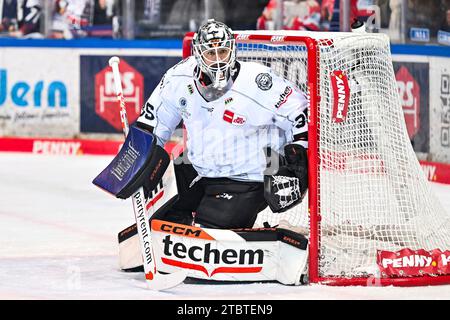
{"type": "Point", "coordinates": [98, 101]}
{"type": "Point", "coordinates": [413, 85]}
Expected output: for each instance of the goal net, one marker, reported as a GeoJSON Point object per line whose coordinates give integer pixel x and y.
{"type": "Point", "coordinates": [367, 192]}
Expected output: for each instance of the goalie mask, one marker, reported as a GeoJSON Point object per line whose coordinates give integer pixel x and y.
{"type": "Point", "coordinates": [214, 49]}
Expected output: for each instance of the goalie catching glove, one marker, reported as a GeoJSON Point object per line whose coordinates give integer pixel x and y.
{"type": "Point", "coordinates": [287, 187]}
{"type": "Point", "coordinates": [140, 162]}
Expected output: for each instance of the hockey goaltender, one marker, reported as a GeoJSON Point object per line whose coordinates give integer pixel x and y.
{"type": "Point", "coordinates": [245, 149]}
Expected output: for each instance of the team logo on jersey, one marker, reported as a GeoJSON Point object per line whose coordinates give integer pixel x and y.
{"type": "Point", "coordinates": [190, 89]}
{"type": "Point", "coordinates": [283, 97]}
{"type": "Point", "coordinates": [183, 102]}
{"type": "Point", "coordinates": [264, 81]}
{"type": "Point", "coordinates": [229, 100]}
{"type": "Point", "coordinates": [233, 118]}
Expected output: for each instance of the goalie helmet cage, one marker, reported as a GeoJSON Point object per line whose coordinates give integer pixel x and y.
{"type": "Point", "coordinates": [367, 191]}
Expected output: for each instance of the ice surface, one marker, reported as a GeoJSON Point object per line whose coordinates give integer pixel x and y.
{"type": "Point", "coordinates": [58, 241]}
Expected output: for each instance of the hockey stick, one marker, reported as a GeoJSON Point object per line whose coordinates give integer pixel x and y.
{"type": "Point", "coordinates": [154, 280]}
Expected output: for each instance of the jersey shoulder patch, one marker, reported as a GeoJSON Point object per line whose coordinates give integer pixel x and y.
{"type": "Point", "coordinates": [258, 75]}
{"type": "Point", "coordinates": [264, 81]}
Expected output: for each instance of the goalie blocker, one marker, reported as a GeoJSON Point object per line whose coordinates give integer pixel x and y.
{"type": "Point", "coordinates": [140, 162]}
{"type": "Point", "coordinates": [267, 254]}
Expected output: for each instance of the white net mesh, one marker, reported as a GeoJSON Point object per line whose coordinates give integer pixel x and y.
{"type": "Point", "coordinates": [372, 191]}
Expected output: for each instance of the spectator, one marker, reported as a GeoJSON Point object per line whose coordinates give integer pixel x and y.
{"type": "Point", "coordinates": [191, 14]}
{"type": "Point", "coordinates": [330, 11]}
{"type": "Point", "coordinates": [446, 25]}
{"type": "Point", "coordinates": [103, 12]}
{"type": "Point", "coordinates": [395, 19]}
{"type": "Point", "coordinates": [9, 16]}
{"type": "Point", "coordinates": [297, 15]}
{"type": "Point", "coordinates": [69, 17]}
{"type": "Point", "coordinates": [60, 24]}
{"type": "Point", "coordinates": [430, 15]}
{"type": "Point", "coordinates": [245, 17]}
{"type": "Point", "coordinates": [152, 10]}
{"type": "Point", "coordinates": [21, 19]}
{"type": "Point", "coordinates": [266, 20]}
{"type": "Point", "coordinates": [308, 18]}
{"type": "Point", "coordinates": [327, 9]}
{"type": "Point", "coordinates": [77, 13]}
{"type": "Point", "coordinates": [385, 12]}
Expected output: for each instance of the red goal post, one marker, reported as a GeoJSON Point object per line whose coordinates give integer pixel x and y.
{"type": "Point", "coordinates": [311, 42]}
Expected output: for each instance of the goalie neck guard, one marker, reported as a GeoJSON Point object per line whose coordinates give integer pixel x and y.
{"type": "Point", "coordinates": [215, 52]}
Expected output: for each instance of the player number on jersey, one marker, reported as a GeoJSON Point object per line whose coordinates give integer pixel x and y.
{"type": "Point", "coordinates": [300, 120]}
{"type": "Point", "coordinates": [147, 111]}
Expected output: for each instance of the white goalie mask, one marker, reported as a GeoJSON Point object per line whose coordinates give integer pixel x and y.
{"type": "Point", "coordinates": [214, 49]}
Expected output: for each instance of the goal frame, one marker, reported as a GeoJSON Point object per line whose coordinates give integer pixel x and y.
{"type": "Point", "coordinates": [313, 165]}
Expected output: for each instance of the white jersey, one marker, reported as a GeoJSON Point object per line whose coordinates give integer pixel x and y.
{"type": "Point", "coordinates": [227, 137]}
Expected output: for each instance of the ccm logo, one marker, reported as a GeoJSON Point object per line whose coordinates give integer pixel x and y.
{"type": "Point", "coordinates": [181, 230]}
{"type": "Point", "coordinates": [341, 96]}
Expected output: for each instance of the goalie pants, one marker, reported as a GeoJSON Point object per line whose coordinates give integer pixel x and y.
{"type": "Point", "coordinates": [219, 203]}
